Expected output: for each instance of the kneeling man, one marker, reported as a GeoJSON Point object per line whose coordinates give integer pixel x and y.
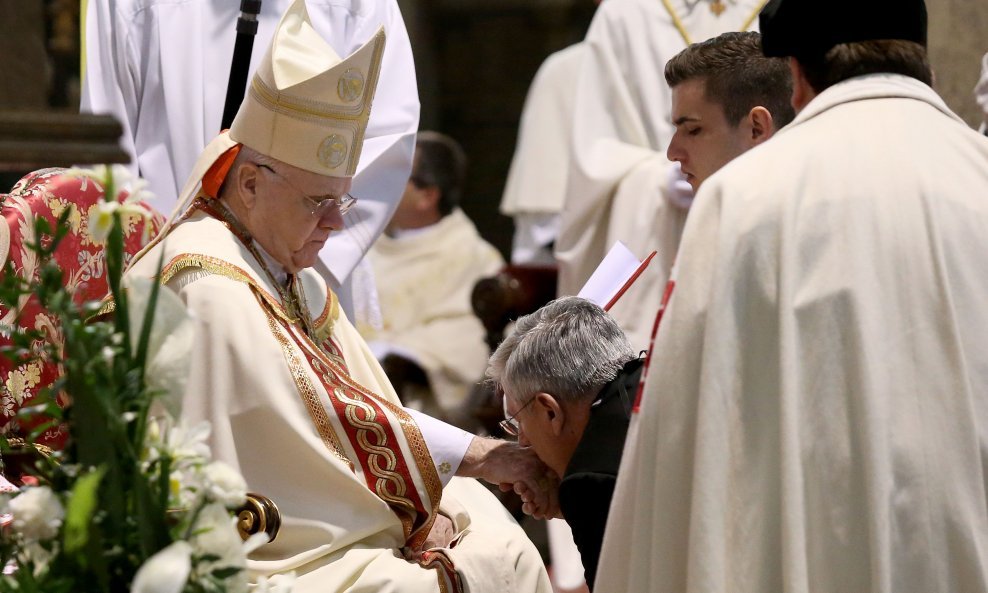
{"type": "Point", "coordinates": [569, 376]}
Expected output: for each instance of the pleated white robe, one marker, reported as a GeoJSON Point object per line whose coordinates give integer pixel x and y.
{"type": "Point", "coordinates": [161, 67]}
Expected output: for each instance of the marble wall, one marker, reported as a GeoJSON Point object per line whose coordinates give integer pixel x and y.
{"type": "Point", "coordinates": [958, 38]}
{"type": "Point", "coordinates": [26, 72]}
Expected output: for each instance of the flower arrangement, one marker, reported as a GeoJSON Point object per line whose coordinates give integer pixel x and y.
{"type": "Point", "coordinates": [132, 503]}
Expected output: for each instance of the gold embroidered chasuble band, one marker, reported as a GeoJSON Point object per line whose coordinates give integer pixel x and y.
{"type": "Point", "coordinates": [718, 8]}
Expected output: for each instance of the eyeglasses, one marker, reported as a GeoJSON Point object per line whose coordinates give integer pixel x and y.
{"type": "Point", "coordinates": [510, 423]}
{"type": "Point", "coordinates": [318, 206]}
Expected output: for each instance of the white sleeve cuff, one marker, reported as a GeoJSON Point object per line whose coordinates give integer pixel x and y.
{"type": "Point", "coordinates": [447, 444]}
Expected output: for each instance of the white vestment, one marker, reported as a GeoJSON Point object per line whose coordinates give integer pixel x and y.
{"type": "Point", "coordinates": [161, 67]}
{"type": "Point", "coordinates": [314, 425]}
{"type": "Point", "coordinates": [815, 414]}
{"type": "Point", "coordinates": [536, 185]}
{"type": "Point", "coordinates": [424, 280]}
{"type": "Point", "coordinates": [621, 129]}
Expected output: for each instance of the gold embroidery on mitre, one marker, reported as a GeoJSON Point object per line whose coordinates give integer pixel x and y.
{"type": "Point", "coordinates": [332, 151]}
{"type": "Point", "coordinates": [351, 85]}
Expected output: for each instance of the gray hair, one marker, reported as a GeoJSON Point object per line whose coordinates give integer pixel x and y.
{"type": "Point", "coordinates": [246, 155]}
{"type": "Point", "coordinates": [569, 348]}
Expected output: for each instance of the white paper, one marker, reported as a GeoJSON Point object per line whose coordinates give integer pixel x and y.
{"type": "Point", "coordinates": [611, 275]}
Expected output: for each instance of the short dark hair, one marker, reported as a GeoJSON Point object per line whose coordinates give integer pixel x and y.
{"type": "Point", "coordinates": [736, 75]}
{"type": "Point", "coordinates": [441, 163]}
{"type": "Point", "coordinates": [848, 60]}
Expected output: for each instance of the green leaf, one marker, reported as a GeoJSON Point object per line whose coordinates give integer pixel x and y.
{"type": "Point", "coordinates": [226, 572]}
{"type": "Point", "coordinates": [79, 513]}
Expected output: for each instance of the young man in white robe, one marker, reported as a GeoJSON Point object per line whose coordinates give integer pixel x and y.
{"type": "Point", "coordinates": [621, 186]}
{"type": "Point", "coordinates": [727, 98]}
{"type": "Point", "coordinates": [162, 68]}
{"type": "Point", "coordinates": [815, 411]}
{"type": "Point", "coordinates": [425, 267]}
{"type": "Point", "coordinates": [296, 401]}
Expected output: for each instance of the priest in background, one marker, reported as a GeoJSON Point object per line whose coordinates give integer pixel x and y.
{"type": "Point", "coordinates": [161, 67]}
{"type": "Point", "coordinates": [535, 189]}
{"type": "Point", "coordinates": [425, 267]}
{"type": "Point", "coordinates": [815, 411]}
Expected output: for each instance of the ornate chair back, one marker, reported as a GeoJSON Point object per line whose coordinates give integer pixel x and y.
{"type": "Point", "coordinates": [47, 193]}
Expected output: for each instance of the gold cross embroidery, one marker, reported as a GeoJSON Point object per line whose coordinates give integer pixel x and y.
{"type": "Point", "coordinates": [722, 7]}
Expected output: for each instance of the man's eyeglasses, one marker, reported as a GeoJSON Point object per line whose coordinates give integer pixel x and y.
{"type": "Point", "coordinates": [318, 206]}
{"type": "Point", "coordinates": [510, 423]}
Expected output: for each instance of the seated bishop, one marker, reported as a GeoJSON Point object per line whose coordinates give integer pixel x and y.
{"type": "Point", "coordinates": [296, 400]}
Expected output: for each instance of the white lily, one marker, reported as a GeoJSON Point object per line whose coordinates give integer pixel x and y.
{"type": "Point", "coordinates": [165, 572]}
{"type": "Point", "coordinates": [170, 343]}
{"type": "Point", "coordinates": [224, 484]}
{"type": "Point", "coordinates": [101, 219]}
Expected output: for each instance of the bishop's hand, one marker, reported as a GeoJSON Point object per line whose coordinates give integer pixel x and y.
{"type": "Point", "coordinates": [513, 467]}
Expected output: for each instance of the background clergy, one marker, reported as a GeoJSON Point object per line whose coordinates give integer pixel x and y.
{"type": "Point", "coordinates": [425, 267]}
{"type": "Point", "coordinates": [815, 413]}
{"type": "Point", "coordinates": [162, 67]}
{"type": "Point", "coordinates": [621, 186]}
{"type": "Point", "coordinates": [535, 189]}
{"type": "Point", "coordinates": [296, 401]}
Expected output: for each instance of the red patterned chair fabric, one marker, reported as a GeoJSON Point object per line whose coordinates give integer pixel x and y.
{"type": "Point", "coordinates": [47, 193]}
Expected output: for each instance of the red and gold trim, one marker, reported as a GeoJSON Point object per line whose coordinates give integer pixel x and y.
{"type": "Point", "coordinates": [449, 579]}
{"type": "Point", "coordinates": [306, 389]}
{"type": "Point", "coordinates": [368, 422]}
{"type": "Point", "coordinates": [670, 287]}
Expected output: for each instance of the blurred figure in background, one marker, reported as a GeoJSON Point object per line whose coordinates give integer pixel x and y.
{"type": "Point", "coordinates": [425, 266]}
{"type": "Point", "coordinates": [536, 185]}
{"type": "Point", "coordinates": [161, 67]}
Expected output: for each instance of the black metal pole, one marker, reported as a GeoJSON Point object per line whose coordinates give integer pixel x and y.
{"type": "Point", "coordinates": [237, 86]}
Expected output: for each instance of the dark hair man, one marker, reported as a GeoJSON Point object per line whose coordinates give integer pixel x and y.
{"type": "Point", "coordinates": [815, 414]}
{"type": "Point", "coordinates": [435, 187]}
{"type": "Point", "coordinates": [726, 98]}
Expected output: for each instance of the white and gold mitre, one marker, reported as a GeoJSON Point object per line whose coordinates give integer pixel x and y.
{"type": "Point", "coordinates": [306, 106]}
